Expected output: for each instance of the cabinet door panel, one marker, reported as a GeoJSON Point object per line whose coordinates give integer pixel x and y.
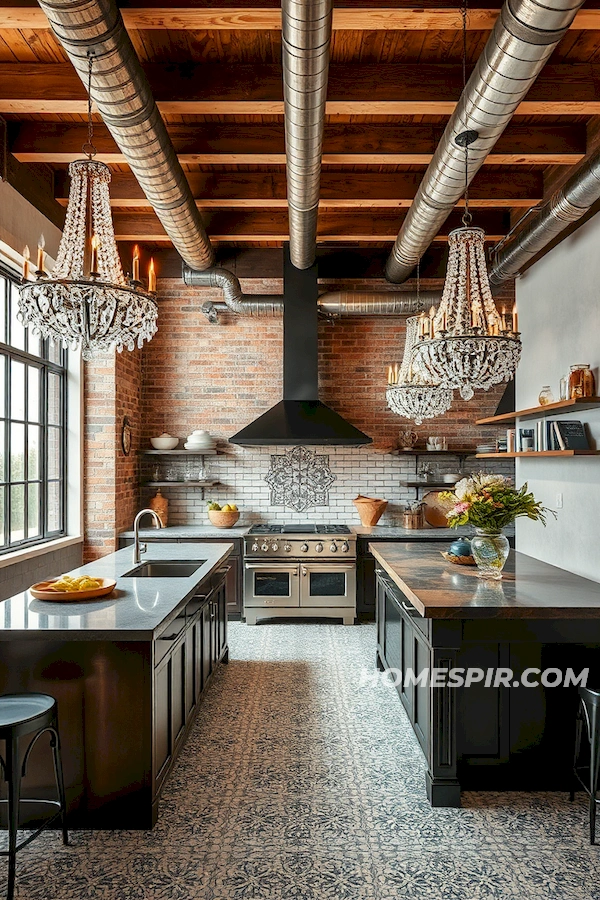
{"type": "Point", "coordinates": [162, 717]}
{"type": "Point", "coordinates": [190, 671]}
{"type": "Point", "coordinates": [420, 717]}
{"type": "Point", "coordinates": [206, 645]}
{"type": "Point", "coordinates": [178, 667]}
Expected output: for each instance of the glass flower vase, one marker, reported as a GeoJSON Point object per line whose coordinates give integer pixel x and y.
{"type": "Point", "coordinates": [490, 552]}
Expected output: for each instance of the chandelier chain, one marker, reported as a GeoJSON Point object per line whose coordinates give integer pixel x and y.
{"type": "Point", "coordinates": [88, 148]}
{"type": "Point", "coordinates": [467, 218]}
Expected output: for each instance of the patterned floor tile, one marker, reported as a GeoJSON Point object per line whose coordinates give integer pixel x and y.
{"type": "Point", "coordinates": [302, 780]}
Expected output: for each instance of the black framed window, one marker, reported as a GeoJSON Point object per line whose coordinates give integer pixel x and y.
{"type": "Point", "coordinates": [33, 429]}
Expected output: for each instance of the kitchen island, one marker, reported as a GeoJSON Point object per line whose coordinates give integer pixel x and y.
{"type": "Point", "coordinates": [498, 733]}
{"type": "Point", "coordinates": [128, 671]}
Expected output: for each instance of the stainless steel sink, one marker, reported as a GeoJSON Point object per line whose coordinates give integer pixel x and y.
{"type": "Point", "coordinates": [181, 568]}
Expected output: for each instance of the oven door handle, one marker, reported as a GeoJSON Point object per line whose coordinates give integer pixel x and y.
{"type": "Point", "coordinates": [268, 567]}
{"type": "Point", "coordinates": [327, 567]}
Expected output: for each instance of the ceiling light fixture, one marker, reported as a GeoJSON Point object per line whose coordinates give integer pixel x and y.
{"type": "Point", "coordinates": [87, 301]}
{"type": "Point", "coordinates": [467, 345]}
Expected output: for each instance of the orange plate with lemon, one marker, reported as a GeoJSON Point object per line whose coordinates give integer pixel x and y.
{"type": "Point", "coordinates": [43, 591]}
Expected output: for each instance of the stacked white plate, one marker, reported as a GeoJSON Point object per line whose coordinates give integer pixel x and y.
{"type": "Point", "coordinates": [200, 440]}
{"type": "Point", "coordinates": [486, 448]}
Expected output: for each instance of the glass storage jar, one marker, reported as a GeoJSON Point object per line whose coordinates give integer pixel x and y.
{"type": "Point", "coordinates": [545, 396]}
{"type": "Point", "coordinates": [581, 381]}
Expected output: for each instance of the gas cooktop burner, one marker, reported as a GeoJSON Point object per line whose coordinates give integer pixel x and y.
{"type": "Point", "coordinates": [308, 528]}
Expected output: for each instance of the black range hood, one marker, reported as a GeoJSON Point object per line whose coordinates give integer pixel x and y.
{"type": "Point", "coordinates": [300, 418]}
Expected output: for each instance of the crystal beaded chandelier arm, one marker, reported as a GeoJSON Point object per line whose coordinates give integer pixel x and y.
{"type": "Point", "coordinates": [87, 301]}
{"type": "Point", "coordinates": [468, 345]}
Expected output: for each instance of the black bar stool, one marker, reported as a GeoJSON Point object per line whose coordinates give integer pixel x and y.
{"type": "Point", "coordinates": [21, 715]}
{"type": "Point", "coordinates": [588, 714]}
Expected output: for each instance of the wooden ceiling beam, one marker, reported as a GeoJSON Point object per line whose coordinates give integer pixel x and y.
{"type": "Point", "coordinates": [257, 190]}
{"type": "Point", "coordinates": [220, 89]}
{"type": "Point", "coordinates": [265, 17]}
{"type": "Point", "coordinates": [264, 226]}
{"type": "Point", "coordinates": [348, 144]}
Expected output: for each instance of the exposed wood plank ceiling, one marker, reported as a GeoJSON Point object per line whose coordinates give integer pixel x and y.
{"type": "Point", "coordinates": [215, 69]}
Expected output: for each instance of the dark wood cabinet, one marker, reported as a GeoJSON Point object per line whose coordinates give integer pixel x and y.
{"type": "Point", "coordinates": [185, 657]}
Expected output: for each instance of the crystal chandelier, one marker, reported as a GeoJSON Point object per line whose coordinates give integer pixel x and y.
{"type": "Point", "coordinates": [87, 302]}
{"type": "Point", "coordinates": [467, 344]}
{"type": "Point", "coordinates": [411, 394]}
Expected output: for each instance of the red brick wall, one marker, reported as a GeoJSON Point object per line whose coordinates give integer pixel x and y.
{"type": "Point", "coordinates": [112, 385]}
{"type": "Point", "coordinates": [220, 377]}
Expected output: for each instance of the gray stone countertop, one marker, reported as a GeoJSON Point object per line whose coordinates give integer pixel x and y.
{"type": "Point", "coordinates": [139, 609]}
{"type": "Point", "coordinates": [529, 588]}
{"type": "Point", "coordinates": [173, 532]}
{"type": "Point", "coordinates": [391, 532]}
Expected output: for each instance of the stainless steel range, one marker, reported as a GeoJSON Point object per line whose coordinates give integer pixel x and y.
{"type": "Point", "coordinates": [300, 570]}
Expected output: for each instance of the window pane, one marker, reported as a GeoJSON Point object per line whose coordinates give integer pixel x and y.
{"type": "Point", "coordinates": [17, 452]}
{"type": "Point", "coordinates": [34, 342]}
{"type": "Point", "coordinates": [33, 395]}
{"type": "Point", "coordinates": [54, 398]}
{"type": "Point", "coordinates": [33, 510]}
{"type": "Point", "coordinates": [17, 512]}
{"type": "Point", "coordinates": [2, 535]}
{"type": "Point", "coordinates": [33, 452]}
{"type": "Point", "coordinates": [53, 495]}
{"type": "Point", "coordinates": [55, 353]}
{"type": "Point", "coordinates": [2, 457]}
{"type": "Point", "coordinates": [2, 382]}
{"type": "Point", "coordinates": [17, 390]}
{"type": "Point", "coordinates": [17, 331]}
{"type": "Point", "coordinates": [3, 334]}
{"type": "Point", "coordinates": [53, 452]}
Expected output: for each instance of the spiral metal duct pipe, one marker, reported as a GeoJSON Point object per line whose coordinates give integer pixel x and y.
{"type": "Point", "coordinates": [306, 33]}
{"type": "Point", "coordinates": [566, 205]}
{"type": "Point", "coordinates": [525, 34]}
{"type": "Point", "coordinates": [334, 303]}
{"type": "Point", "coordinates": [125, 102]}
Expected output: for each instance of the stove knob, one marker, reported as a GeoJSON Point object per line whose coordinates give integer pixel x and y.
{"type": "Point", "coordinates": [333, 548]}
{"type": "Point", "coordinates": [264, 547]}
{"type": "Point", "coordinates": [344, 548]}
{"type": "Point", "coordinates": [274, 547]}
{"type": "Point", "coordinates": [255, 547]}
{"type": "Point", "coordinates": [319, 547]}
{"type": "Point", "coordinates": [303, 548]}
{"type": "Point", "coordinates": [287, 548]}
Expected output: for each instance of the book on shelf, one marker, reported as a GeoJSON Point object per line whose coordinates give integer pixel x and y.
{"type": "Point", "coordinates": [525, 440]}
{"type": "Point", "coordinates": [510, 440]}
{"type": "Point", "coordinates": [551, 438]}
{"type": "Point", "coordinates": [571, 435]}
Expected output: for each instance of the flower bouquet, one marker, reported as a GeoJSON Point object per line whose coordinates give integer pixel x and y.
{"type": "Point", "coordinates": [490, 503]}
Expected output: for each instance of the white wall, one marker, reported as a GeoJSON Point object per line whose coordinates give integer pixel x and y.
{"type": "Point", "coordinates": [559, 318]}
{"type": "Point", "coordinates": [22, 224]}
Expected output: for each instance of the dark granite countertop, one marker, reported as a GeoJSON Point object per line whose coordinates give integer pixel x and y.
{"type": "Point", "coordinates": [530, 588]}
{"type": "Point", "coordinates": [139, 609]}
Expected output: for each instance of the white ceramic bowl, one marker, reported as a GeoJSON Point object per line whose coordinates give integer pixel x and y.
{"type": "Point", "coordinates": [198, 447]}
{"type": "Point", "coordinates": [164, 443]}
{"type": "Point", "coordinates": [451, 478]}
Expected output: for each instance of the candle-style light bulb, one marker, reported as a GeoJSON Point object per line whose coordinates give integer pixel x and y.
{"type": "Point", "coordinates": [504, 325]}
{"type": "Point", "coordinates": [515, 319]}
{"type": "Point", "coordinates": [389, 375]}
{"type": "Point", "coordinates": [151, 277]}
{"type": "Point", "coordinates": [136, 263]}
{"type": "Point", "coordinates": [26, 258]}
{"type": "Point", "coordinates": [40, 253]}
{"type": "Point", "coordinates": [94, 244]}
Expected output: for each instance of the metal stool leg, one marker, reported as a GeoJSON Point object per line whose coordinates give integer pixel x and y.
{"type": "Point", "coordinates": [13, 777]}
{"type": "Point", "coordinates": [60, 784]}
{"type": "Point", "coordinates": [577, 750]}
{"type": "Point", "coordinates": [594, 766]}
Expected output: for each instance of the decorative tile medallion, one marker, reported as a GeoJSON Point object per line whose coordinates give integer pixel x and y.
{"type": "Point", "coordinates": [300, 479]}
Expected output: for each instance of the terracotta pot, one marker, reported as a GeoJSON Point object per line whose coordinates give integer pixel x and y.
{"type": "Point", "coordinates": [370, 509]}
{"type": "Point", "coordinates": [223, 519]}
{"type": "Point", "coordinates": [160, 505]}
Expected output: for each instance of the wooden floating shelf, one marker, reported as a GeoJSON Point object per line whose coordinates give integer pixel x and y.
{"type": "Point", "coordinates": [464, 451]}
{"type": "Point", "coordinates": [432, 485]}
{"type": "Point", "coordinates": [179, 452]}
{"type": "Point", "coordinates": [562, 406]}
{"type": "Point", "coordinates": [180, 483]}
{"type": "Point", "coordinates": [538, 453]}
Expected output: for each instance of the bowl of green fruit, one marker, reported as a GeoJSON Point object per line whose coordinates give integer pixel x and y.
{"type": "Point", "coordinates": [223, 516]}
